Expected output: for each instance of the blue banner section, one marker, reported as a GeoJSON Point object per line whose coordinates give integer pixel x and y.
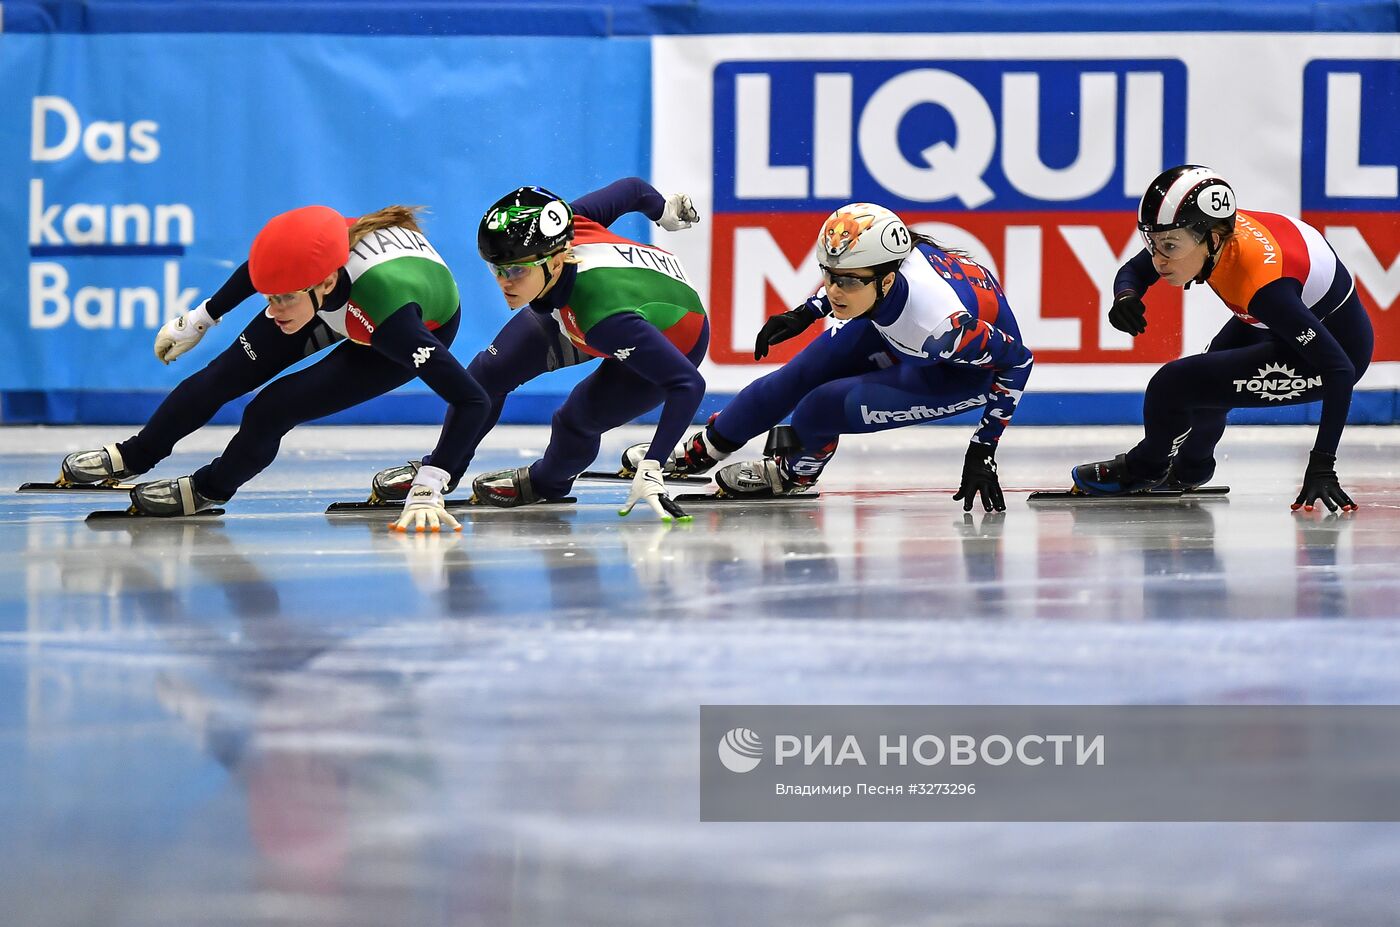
{"type": "Point", "coordinates": [135, 170]}
{"type": "Point", "coordinates": [683, 17]}
{"type": "Point", "coordinates": [1351, 119]}
{"type": "Point", "coordinates": [925, 134]}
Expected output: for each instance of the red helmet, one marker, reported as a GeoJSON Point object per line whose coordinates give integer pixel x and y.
{"type": "Point", "coordinates": [298, 249]}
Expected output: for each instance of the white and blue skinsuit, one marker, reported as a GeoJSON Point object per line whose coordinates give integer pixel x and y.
{"type": "Point", "coordinates": [942, 341]}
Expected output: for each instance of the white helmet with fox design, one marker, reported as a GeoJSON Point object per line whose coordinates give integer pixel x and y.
{"type": "Point", "coordinates": [863, 235]}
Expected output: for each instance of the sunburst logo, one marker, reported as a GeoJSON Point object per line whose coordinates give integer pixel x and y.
{"type": "Point", "coordinates": [740, 750]}
{"type": "Point", "coordinates": [1278, 383]}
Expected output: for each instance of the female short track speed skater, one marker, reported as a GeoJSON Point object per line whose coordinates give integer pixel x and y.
{"type": "Point", "coordinates": [928, 335]}
{"type": "Point", "coordinates": [374, 283]}
{"type": "Point", "coordinates": [1299, 333]}
{"type": "Point", "coordinates": [586, 293]}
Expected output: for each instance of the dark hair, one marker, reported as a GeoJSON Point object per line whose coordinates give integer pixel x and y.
{"type": "Point", "coordinates": [920, 238]}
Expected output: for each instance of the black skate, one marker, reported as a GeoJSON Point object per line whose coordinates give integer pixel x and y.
{"type": "Point", "coordinates": [1188, 478]}
{"type": "Point", "coordinates": [1108, 480]}
{"type": "Point", "coordinates": [1113, 478]}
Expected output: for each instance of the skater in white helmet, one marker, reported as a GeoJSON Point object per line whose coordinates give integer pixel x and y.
{"type": "Point", "coordinates": [928, 335]}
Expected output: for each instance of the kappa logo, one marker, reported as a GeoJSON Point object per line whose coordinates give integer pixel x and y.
{"type": "Point", "coordinates": [623, 353]}
{"type": "Point", "coordinates": [420, 356]}
{"type": "Point", "coordinates": [247, 348]}
{"type": "Point", "coordinates": [1277, 383]}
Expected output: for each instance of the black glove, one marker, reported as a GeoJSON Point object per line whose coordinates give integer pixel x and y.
{"type": "Point", "coordinates": [1128, 314]}
{"type": "Point", "coordinates": [1320, 482]}
{"type": "Point", "coordinates": [780, 328]}
{"type": "Point", "coordinates": [980, 476]}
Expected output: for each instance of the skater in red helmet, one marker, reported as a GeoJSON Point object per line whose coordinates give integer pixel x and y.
{"type": "Point", "coordinates": [373, 286]}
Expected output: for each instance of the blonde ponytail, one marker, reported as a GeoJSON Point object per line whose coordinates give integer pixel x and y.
{"type": "Point", "coordinates": [401, 217]}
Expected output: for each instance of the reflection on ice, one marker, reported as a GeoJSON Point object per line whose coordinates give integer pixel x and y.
{"type": "Point", "coordinates": [285, 718]}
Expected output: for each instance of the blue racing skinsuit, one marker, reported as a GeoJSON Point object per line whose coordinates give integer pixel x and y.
{"type": "Point", "coordinates": [942, 341]}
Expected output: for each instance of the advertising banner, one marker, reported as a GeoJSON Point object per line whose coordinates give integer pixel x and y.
{"type": "Point", "coordinates": [1030, 152]}
{"type": "Point", "coordinates": [136, 169]}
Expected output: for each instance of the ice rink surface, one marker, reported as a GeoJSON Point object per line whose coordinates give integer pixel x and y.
{"type": "Point", "coordinates": [282, 718]}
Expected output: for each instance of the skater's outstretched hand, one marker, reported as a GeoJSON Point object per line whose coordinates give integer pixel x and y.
{"type": "Point", "coordinates": [180, 334]}
{"type": "Point", "coordinates": [649, 487]}
{"type": "Point", "coordinates": [1320, 483]}
{"type": "Point", "coordinates": [780, 328]}
{"type": "Point", "coordinates": [979, 477]}
{"type": "Point", "coordinates": [424, 509]}
{"type": "Point", "coordinates": [680, 213]}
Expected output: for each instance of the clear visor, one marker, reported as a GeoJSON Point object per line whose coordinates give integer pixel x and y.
{"type": "Point", "coordinates": [517, 269]}
{"type": "Point", "coordinates": [1180, 236]}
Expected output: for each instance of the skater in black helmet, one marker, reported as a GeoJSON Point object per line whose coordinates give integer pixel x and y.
{"type": "Point", "coordinates": [1299, 334]}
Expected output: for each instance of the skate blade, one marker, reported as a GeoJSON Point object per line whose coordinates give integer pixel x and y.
{"type": "Point", "coordinates": [115, 515]}
{"type": "Point", "coordinates": [453, 505]}
{"type": "Point", "coordinates": [1151, 495]}
{"type": "Point", "coordinates": [719, 497]}
{"type": "Point", "coordinates": [59, 488]}
{"type": "Point", "coordinates": [624, 476]}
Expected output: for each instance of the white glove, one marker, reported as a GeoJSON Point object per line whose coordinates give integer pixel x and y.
{"type": "Point", "coordinates": [649, 487]}
{"type": "Point", "coordinates": [179, 335]}
{"type": "Point", "coordinates": [680, 213]}
{"type": "Point", "coordinates": [424, 510]}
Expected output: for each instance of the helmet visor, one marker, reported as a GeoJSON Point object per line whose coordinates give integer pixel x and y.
{"type": "Point", "coordinates": [1155, 237]}
{"type": "Point", "coordinates": [847, 283]}
{"type": "Point", "coordinates": [517, 269]}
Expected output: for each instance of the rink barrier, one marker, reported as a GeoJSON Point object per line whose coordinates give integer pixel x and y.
{"type": "Point", "coordinates": [74, 407]}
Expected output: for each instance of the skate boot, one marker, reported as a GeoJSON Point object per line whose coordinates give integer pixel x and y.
{"type": "Point", "coordinates": [104, 465]}
{"type": "Point", "coordinates": [762, 478]}
{"type": "Point", "coordinates": [1186, 477]}
{"type": "Point", "coordinates": [697, 454]}
{"type": "Point", "coordinates": [784, 470]}
{"type": "Point", "coordinates": [1113, 478]}
{"type": "Point", "coordinates": [504, 488]}
{"type": "Point", "coordinates": [392, 483]}
{"type": "Point", "coordinates": [171, 498]}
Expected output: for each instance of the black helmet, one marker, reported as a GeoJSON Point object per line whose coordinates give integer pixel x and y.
{"type": "Point", "coordinates": [527, 222]}
{"type": "Point", "coordinates": [1188, 196]}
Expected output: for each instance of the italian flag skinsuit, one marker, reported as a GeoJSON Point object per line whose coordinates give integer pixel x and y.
{"type": "Point", "coordinates": [616, 275]}
{"type": "Point", "coordinates": [389, 269]}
